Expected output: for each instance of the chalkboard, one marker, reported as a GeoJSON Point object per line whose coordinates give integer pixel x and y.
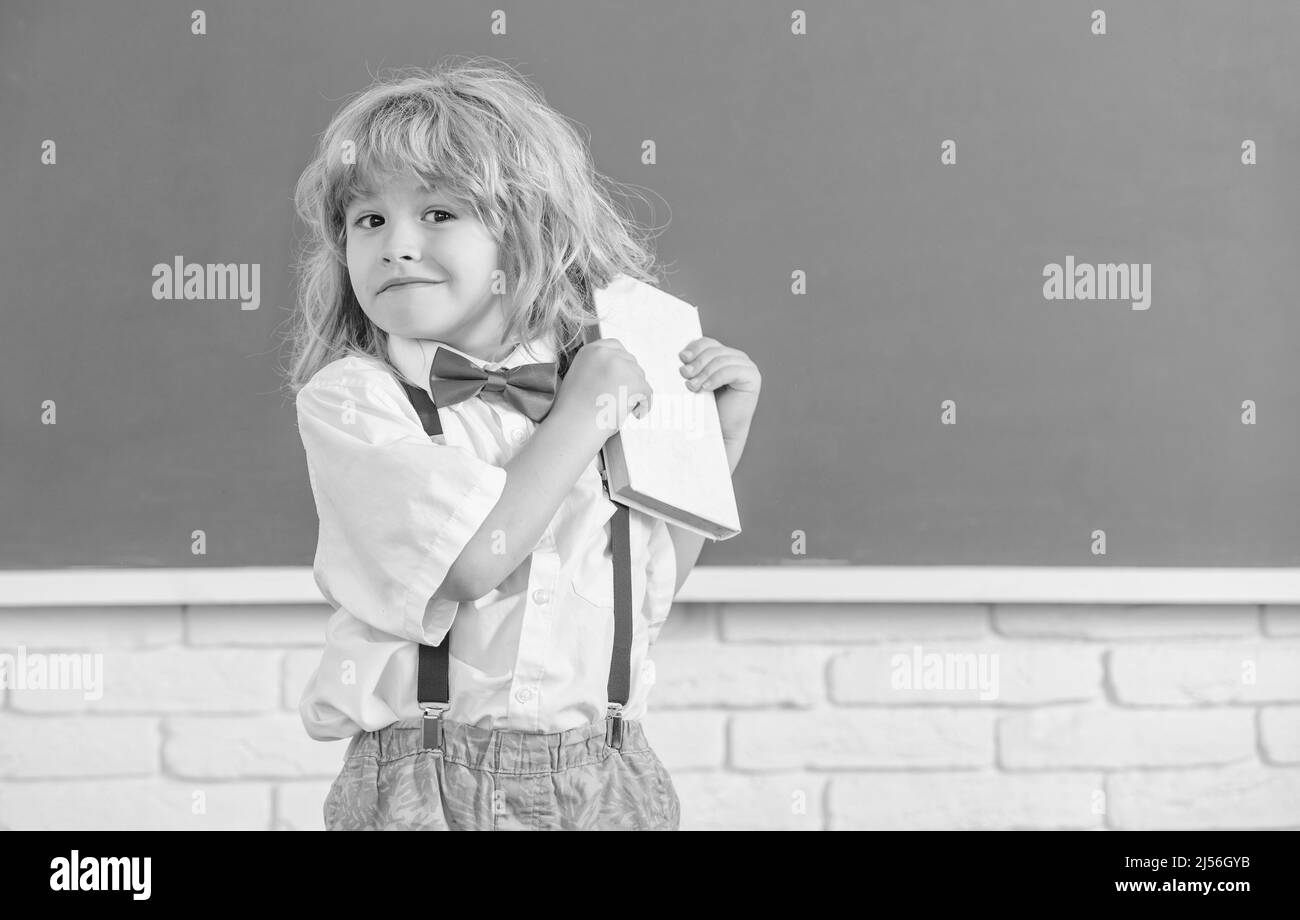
{"type": "Point", "coordinates": [865, 198]}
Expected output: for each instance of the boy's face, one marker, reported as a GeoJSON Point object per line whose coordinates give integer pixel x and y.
{"type": "Point", "coordinates": [406, 230]}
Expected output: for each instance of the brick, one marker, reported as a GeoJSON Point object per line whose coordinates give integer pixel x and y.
{"type": "Point", "coordinates": [713, 801]}
{"type": "Point", "coordinates": [296, 671]}
{"type": "Point", "coordinates": [839, 738]}
{"type": "Point", "coordinates": [90, 628]}
{"type": "Point", "coordinates": [976, 673]}
{"type": "Point", "coordinates": [686, 739]}
{"type": "Point", "coordinates": [1244, 797]}
{"type": "Point", "coordinates": [171, 680]}
{"type": "Point", "coordinates": [1279, 734]}
{"type": "Point", "coordinates": [1192, 673]}
{"type": "Point", "coordinates": [1125, 621]}
{"type": "Point", "coordinates": [747, 675]}
{"type": "Point", "coordinates": [130, 804]}
{"type": "Point", "coordinates": [39, 747]}
{"type": "Point", "coordinates": [264, 747]}
{"type": "Point", "coordinates": [1105, 736]}
{"type": "Point", "coordinates": [1282, 620]}
{"type": "Point", "coordinates": [967, 801]}
{"type": "Point", "coordinates": [689, 623]}
{"type": "Point", "coordinates": [826, 623]}
{"type": "Point", "coordinates": [245, 625]}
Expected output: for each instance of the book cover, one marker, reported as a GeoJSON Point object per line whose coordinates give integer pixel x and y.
{"type": "Point", "coordinates": [671, 464]}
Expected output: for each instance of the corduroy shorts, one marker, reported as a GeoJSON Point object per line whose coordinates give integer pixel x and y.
{"type": "Point", "coordinates": [493, 779]}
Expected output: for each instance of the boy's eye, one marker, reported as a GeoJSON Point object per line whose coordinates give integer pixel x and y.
{"type": "Point", "coordinates": [430, 211]}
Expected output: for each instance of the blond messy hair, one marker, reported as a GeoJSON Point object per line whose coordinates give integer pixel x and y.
{"type": "Point", "coordinates": [482, 133]}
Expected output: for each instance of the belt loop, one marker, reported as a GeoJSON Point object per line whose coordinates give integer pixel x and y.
{"type": "Point", "coordinates": [614, 727]}
{"type": "Point", "coordinates": [432, 730]}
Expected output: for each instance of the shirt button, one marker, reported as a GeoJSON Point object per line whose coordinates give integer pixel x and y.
{"type": "Point", "coordinates": [517, 436]}
{"type": "Point", "coordinates": [524, 695]}
{"type": "Point", "coordinates": [541, 596]}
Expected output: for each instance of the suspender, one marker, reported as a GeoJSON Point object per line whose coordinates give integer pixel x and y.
{"type": "Point", "coordinates": [432, 681]}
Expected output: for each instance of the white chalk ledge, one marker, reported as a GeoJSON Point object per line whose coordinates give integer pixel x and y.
{"type": "Point", "coordinates": [710, 584]}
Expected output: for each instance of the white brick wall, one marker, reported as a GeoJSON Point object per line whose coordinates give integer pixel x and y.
{"type": "Point", "coordinates": [767, 715]}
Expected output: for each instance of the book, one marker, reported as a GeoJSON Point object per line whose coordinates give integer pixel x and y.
{"type": "Point", "coordinates": [672, 463]}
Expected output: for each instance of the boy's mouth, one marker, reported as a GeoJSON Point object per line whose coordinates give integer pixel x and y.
{"type": "Point", "coordinates": [399, 285]}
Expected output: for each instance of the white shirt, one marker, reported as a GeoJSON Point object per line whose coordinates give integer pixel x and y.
{"type": "Point", "coordinates": [396, 508]}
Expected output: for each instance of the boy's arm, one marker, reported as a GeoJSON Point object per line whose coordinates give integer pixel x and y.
{"type": "Point", "coordinates": [538, 478]}
{"type": "Point", "coordinates": [686, 543]}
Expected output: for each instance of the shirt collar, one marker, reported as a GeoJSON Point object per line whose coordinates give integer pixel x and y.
{"type": "Point", "coordinates": [537, 351]}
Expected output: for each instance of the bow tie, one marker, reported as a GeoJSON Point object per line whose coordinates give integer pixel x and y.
{"type": "Point", "coordinates": [530, 388]}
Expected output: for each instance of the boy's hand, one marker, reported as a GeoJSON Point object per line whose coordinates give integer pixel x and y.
{"type": "Point", "coordinates": [599, 371]}
{"type": "Point", "coordinates": [707, 364]}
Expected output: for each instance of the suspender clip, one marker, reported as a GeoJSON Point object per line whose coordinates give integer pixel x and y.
{"type": "Point", "coordinates": [614, 726]}
{"type": "Point", "coordinates": [433, 713]}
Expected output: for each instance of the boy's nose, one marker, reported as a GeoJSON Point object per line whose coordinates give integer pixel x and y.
{"type": "Point", "coordinates": [401, 251]}
{"type": "Point", "coordinates": [402, 242]}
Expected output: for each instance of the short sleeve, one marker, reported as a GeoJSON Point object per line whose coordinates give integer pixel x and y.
{"type": "Point", "coordinates": [661, 578]}
{"type": "Point", "coordinates": [396, 508]}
